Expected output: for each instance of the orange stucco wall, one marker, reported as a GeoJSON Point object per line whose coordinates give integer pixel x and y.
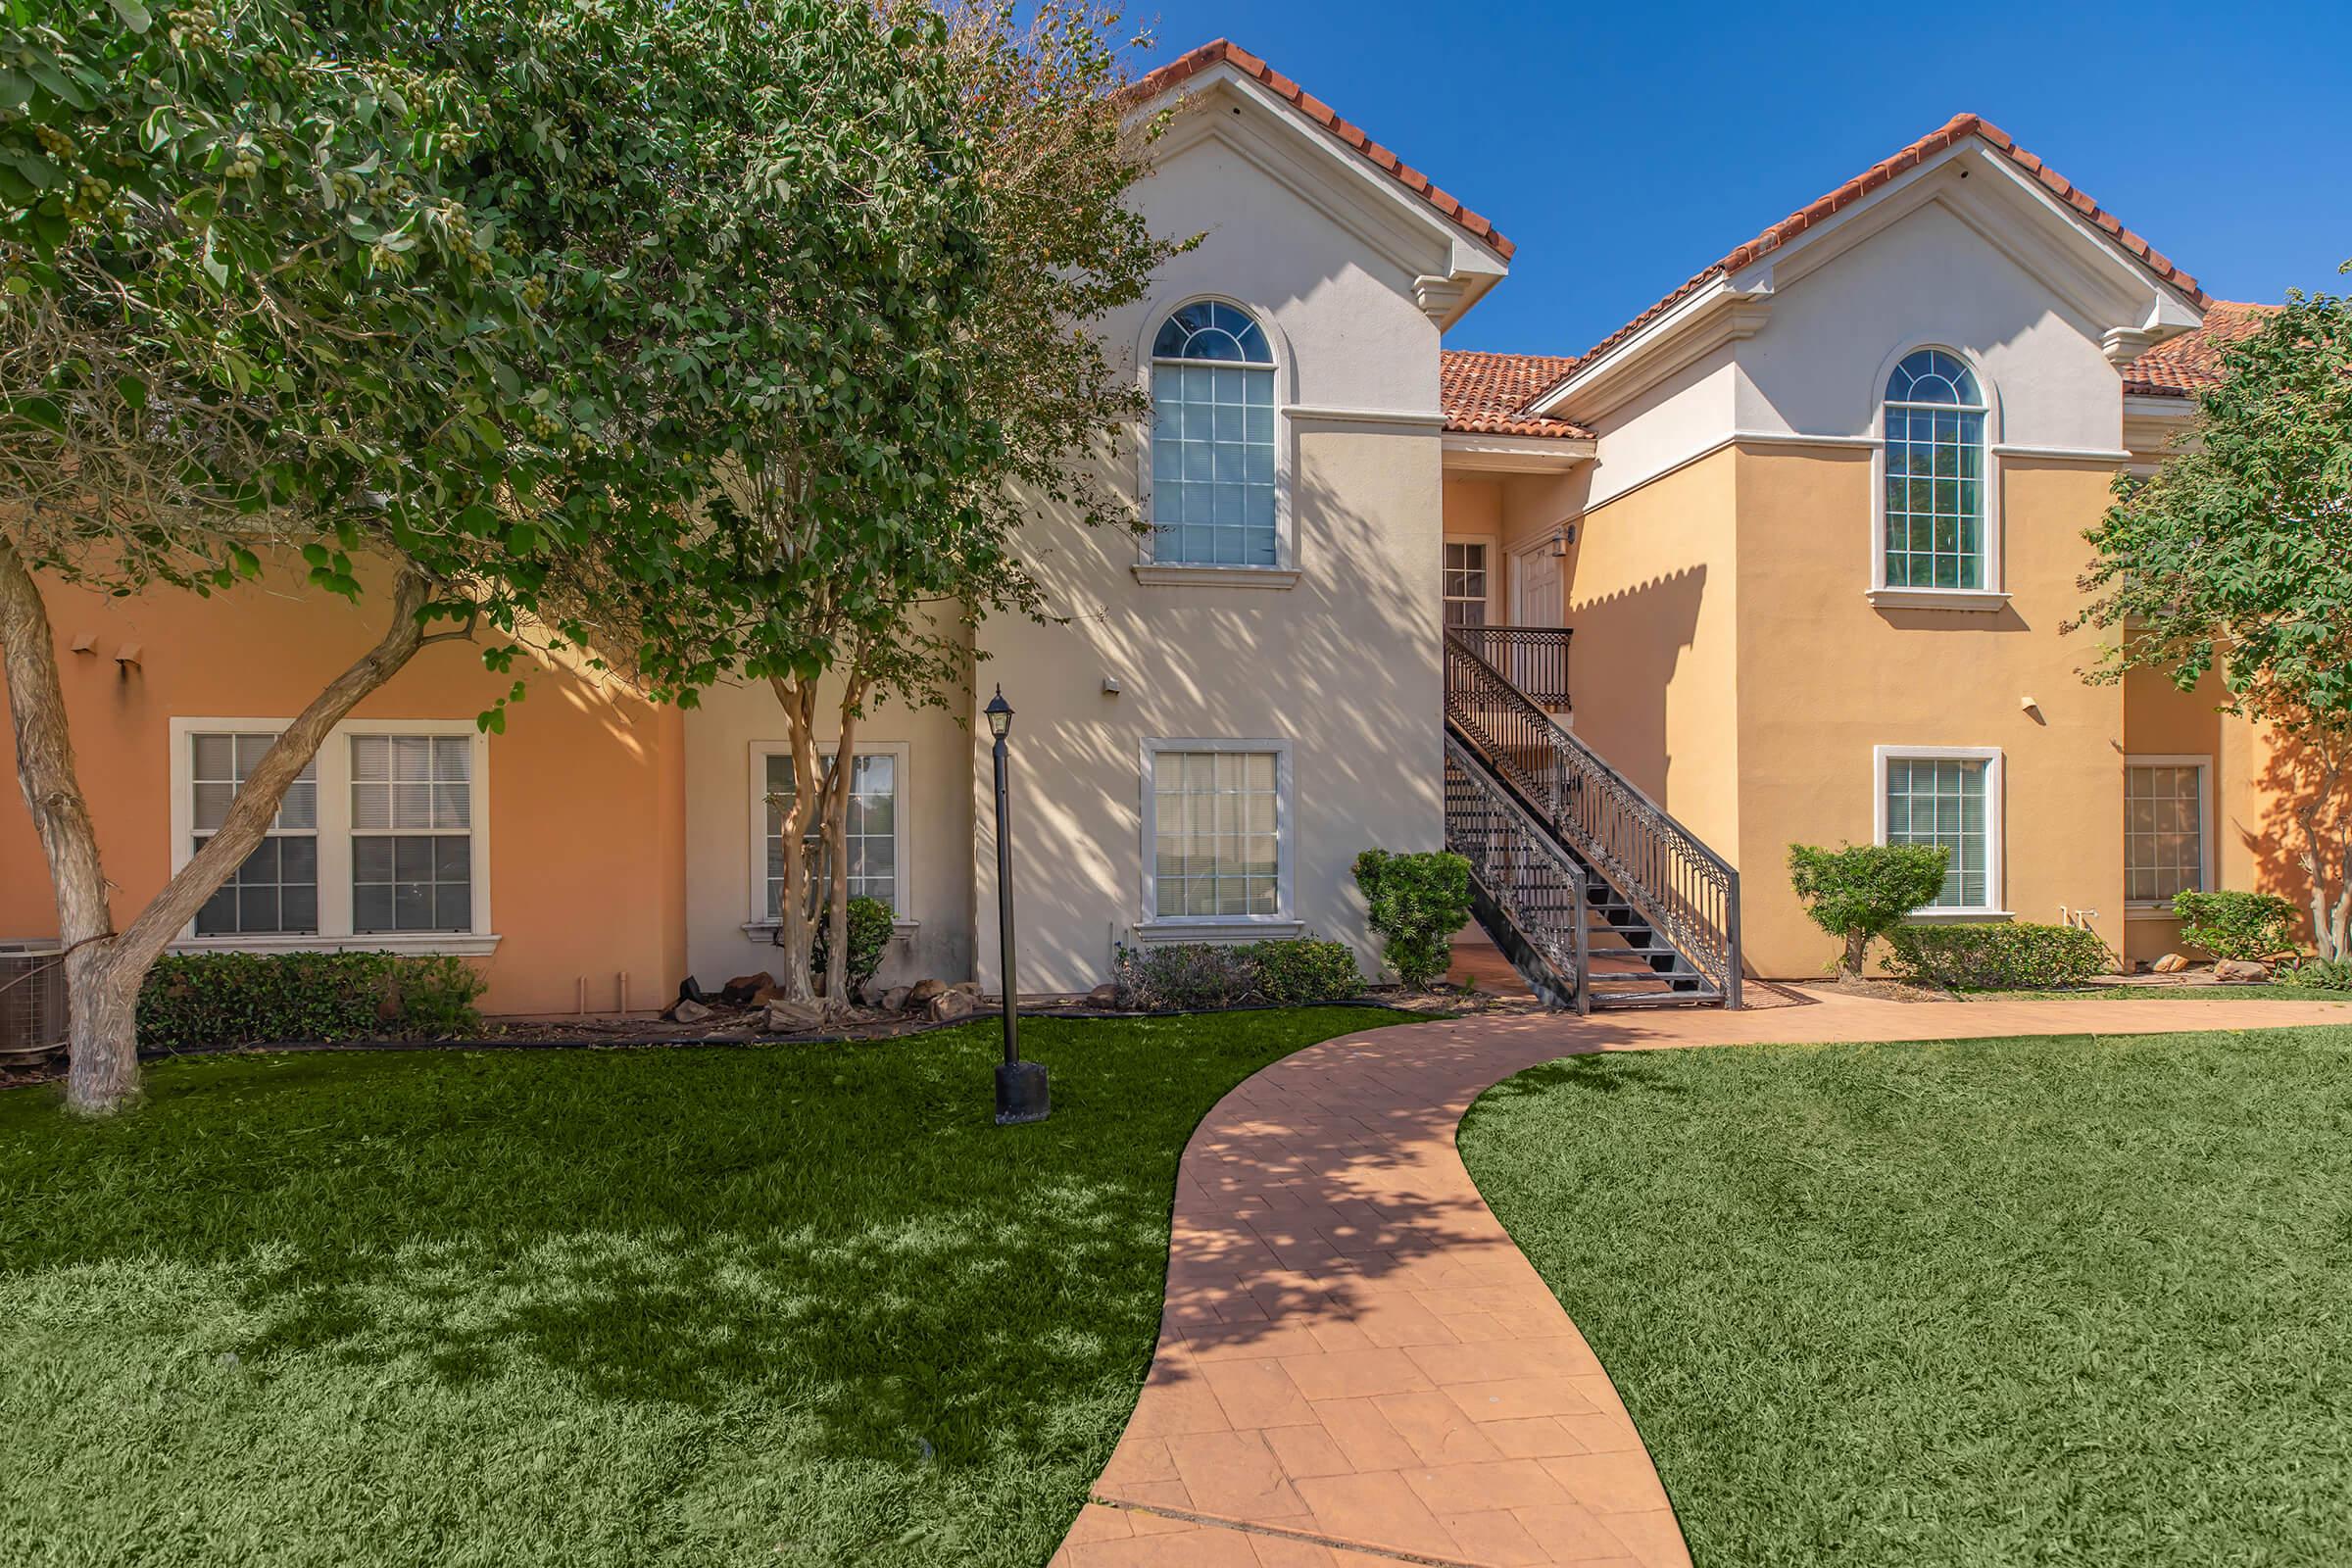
{"type": "Point", "coordinates": [586, 788]}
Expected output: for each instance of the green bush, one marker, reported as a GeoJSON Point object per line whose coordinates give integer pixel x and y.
{"type": "Point", "coordinates": [2325, 974]}
{"type": "Point", "coordinates": [1998, 955]}
{"type": "Point", "coordinates": [2234, 925]}
{"type": "Point", "coordinates": [1298, 971]}
{"type": "Point", "coordinates": [1858, 892]}
{"type": "Point", "coordinates": [1180, 976]}
{"type": "Point", "coordinates": [237, 998]}
{"type": "Point", "coordinates": [1418, 901]}
{"type": "Point", "coordinates": [871, 923]}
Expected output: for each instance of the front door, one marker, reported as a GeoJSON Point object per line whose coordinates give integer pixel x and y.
{"type": "Point", "coordinates": [1536, 587]}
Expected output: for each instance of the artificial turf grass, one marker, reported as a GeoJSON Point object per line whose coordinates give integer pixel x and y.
{"type": "Point", "coordinates": [787, 1305]}
{"type": "Point", "coordinates": [2037, 1301]}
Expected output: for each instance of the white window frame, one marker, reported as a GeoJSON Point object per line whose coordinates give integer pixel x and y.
{"type": "Point", "coordinates": [1284, 573]}
{"type": "Point", "coordinates": [1994, 596]}
{"type": "Point", "coordinates": [335, 933]}
{"type": "Point", "coordinates": [1492, 546]}
{"type": "Point", "coordinates": [1284, 921]}
{"type": "Point", "coordinates": [2161, 909]}
{"type": "Point", "coordinates": [1997, 833]}
{"type": "Point", "coordinates": [761, 924]}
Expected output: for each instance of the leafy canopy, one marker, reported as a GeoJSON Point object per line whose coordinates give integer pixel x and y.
{"type": "Point", "coordinates": [1859, 891]}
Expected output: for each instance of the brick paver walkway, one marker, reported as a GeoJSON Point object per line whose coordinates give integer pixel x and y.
{"type": "Point", "coordinates": [1356, 1366]}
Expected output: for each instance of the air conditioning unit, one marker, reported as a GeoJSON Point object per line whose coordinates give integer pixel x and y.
{"type": "Point", "coordinates": [33, 1003]}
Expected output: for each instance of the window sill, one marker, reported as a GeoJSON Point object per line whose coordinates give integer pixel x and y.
{"type": "Point", "coordinates": [1158, 575]}
{"type": "Point", "coordinates": [1210, 928]}
{"type": "Point", "coordinates": [416, 944]}
{"type": "Point", "coordinates": [1955, 916]}
{"type": "Point", "coordinates": [1977, 600]}
{"type": "Point", "coordinates": [765, 930]}
{"type": "Point", "coordinates": [2149, 912]}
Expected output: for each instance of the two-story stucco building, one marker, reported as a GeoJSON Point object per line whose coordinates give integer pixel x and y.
{"type": "Point", "coordinates": [1810, 526]}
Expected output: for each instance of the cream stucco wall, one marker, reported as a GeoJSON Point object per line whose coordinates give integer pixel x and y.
{"type": "Point", "coordinates": [1342, 666]}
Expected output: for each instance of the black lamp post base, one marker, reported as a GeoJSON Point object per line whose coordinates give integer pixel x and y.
{"type": "Point", "coordinates": [1021, 1093]}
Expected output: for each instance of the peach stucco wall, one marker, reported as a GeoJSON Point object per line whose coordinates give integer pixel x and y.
{"type": "Point", "coordinates": [586, 791]}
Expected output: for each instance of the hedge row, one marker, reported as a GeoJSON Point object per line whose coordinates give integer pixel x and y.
{"type": "Point", "coordinates": [1181, 976]}
{"type": "Point", "coordinates": [2003, 955]}
{"type": "Point", "coordinates": [239, 999]}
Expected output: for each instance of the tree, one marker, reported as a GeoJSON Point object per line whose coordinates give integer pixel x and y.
{"type": "Point", "coordinates": [2235, 559]}
{"type": "Point", "coordinates": [1859, 891]}
{"type": "Point", "coordinates": [249, 305]}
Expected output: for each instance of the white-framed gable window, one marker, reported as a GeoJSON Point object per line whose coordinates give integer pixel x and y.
{"type": "Point", "coordinates": [1217, 836]}
{"type": "Point", "coordinates": [1949, 796]}
{"type": "Point", "coordinates": [1938, 530]}
{"type": "Point", "coordinates": [1212, 487]}
{"type": "Point", "coordinates": [2168, 830]}
{"type": "Point", "coordinates": [876, 828]}
{"type": "Point", "coordinates": [381, 842]}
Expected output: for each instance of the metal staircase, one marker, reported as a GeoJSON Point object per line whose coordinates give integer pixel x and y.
{"type": "Point", "coordinates": [1596, 895]}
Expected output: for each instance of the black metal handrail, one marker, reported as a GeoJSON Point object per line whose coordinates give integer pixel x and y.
{"type": "Point", "coordinates": [1534, 659]}
{"type": "Point", "coordinates": [1688, 894]}
{"type": "Point", "coordinates": [1519, 864]}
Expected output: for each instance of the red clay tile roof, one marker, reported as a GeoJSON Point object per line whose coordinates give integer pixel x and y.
{"type": "Point", "coordinates": [1950, 135]}
{"type": "Point", "coordinates": [1350, 135]}
{"type": "Point", "coordinates": [2183, 366]}
{"type": "Point", "coordinates": [1482, 393]}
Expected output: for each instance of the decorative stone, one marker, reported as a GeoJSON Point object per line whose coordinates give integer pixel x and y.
{"type": "Point", "coordinates": [746, 988]}
{"type": "Point", "coordinates": [948, 1005]}
{"type": "Point", "coordinates": [922, 991]}
{"type": "Point", "coordinates": [794, 1017]}
{"type": "Point", "coordinates": [2243, 971]}
{"type": "Point", "coordinates": [893, 999]}
{"type": "Point", "coordinates": [1105, 995]}
{"type": "Point", "coordinates": [686, 1010]}
{"type": "Point", "coordinates": [2170, 964]}
{"type": "Point", "coordinates": [971, 987]}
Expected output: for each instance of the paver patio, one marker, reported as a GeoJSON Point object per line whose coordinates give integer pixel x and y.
{"type": "Point", "coordinates": [1357, 1367]}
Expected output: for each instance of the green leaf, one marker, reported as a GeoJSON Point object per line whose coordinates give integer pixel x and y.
{"type": "Point", "coordinates": [134, 15]}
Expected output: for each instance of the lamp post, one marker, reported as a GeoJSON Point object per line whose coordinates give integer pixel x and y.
{"type": "Point", "coordinates": [1020, 1084]}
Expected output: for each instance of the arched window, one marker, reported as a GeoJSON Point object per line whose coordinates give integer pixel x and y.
{"type": "Point", "coordinates": [1212, 439]}
{"type": "Point", "coordinates": [1934, 435]}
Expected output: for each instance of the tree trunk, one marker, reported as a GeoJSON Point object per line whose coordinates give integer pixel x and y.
{"type": "Point", "coordinates": [837, 844]}
{"type": "Point", "coordinates": [1857, 954]}
{"type": "Point", "coordinates": [105, 969]}
{"type": "Point", "coordinates": [2330, 917]}
{"type": "Point", "coordinates": [795, 935]}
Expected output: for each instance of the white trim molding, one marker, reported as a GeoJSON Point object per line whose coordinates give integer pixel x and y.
{"type": "Point", "coordinates": [2161, 909]}
{"type": "Point", "coordinates": [1996, 907]}
{"type": "Point", "coordinates": [1150, 923]}
{"type": "Point", "coordinates": [1471, 452]}
{"type": "Point", "coordinates": [902, 898]}
{"type": "Point", "coordinates": [1185, 574]}
{"type": "Point", "coordinates": [332, 769]}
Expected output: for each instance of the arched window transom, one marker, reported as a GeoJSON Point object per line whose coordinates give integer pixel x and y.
{"type": "Point", "coordinates": [1212, 439]}
{"type": "Point", "coordinates": [1934, 434]}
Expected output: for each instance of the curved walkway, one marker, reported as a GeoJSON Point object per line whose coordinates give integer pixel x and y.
{"type": "Point", "coordinates": [1357, 1367]}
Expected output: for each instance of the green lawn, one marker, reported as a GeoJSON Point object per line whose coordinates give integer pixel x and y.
{"type": "Point", "coordinates": [2023, 1302]}
{"type": "Point", "coordinates": [793, 1306]}
{"type": "Point", "coordinates": [2272, 991]}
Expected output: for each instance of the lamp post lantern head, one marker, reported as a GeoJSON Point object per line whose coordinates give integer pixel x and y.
{"type": "Point", "coordinates": [1000, 714]}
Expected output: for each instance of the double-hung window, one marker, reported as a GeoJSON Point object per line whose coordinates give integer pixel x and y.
{"type": "Point", "coordinates": [379, 841]}
{"type": "Point", "coordinates": [1465, 583]}
{"type": "Point", "coordinates": [1218, 831]}
{"type": "Point", "coordinates": [1213, 440]}
{"type": "Point", "coordinates": [1936, 481]}
{"type": "Point", "coordinates": [1950, 797]}
{"type": "Point", "coordinates": [2166, 835]}
{"type": "Point", "coordinates": [875, 829]}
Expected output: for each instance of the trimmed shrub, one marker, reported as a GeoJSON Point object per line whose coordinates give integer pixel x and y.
{"type": "Point", "coordinates": [1418, 901]}
{"type": "Point", "coordinates": [2234, 925]}
{"type": "Point", "coordinates": [239, 999]}
{"type": "Point", "coordinates": [1997, 955]}
{"type": "Point", "coordinates": [1859, 891]}
{"type": "Point", "coordinates": [1180, 976]}
{"type": "Point", "coordinates": [870, 926]}
{"type": "Point", "coordinates": [1297, 971]}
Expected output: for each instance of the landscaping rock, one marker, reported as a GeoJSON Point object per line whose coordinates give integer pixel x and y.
{"type": "Point", "coordinates": [687, 1011]}
{"type": "Point", "coordinates": [794, 1017]}
{"type": "Point", "coordinates": [893, 999]}
{"type": "Point", "coordinates": [2170, 964]}
{"type": "Point", "coordinates": [691, 990]}
{"type": "Point", "coordinates": [746, 988]}
{"type": "Point", "coordinates": [950, 1005]}
{"type": "Point", "coordinates": [1105, 995]}
{"type": "Point", "coordinates": [2243, 971]}
{"type": "Point", "coordinates": [922, 991]}
{"type": "Point", "coordinates": [971, 987]}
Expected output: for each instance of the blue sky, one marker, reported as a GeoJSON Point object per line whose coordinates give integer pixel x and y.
{"type": "Point", "coordinates": [1624, 148]}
